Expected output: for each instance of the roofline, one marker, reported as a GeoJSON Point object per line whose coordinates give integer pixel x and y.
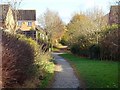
{"type": "Point", "coordinates": [4, 4]}
{"type": "Point", "coordinates": [115, 5]}
{"type": "Point", "coordinates": [18, 9]}
{"type": "Point", "coordinates": [27, 9]}
{"type": "Point", "coordinates": [26, 20]}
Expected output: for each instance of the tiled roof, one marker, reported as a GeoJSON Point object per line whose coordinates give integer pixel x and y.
{"type": "Point", "coordinates": [21, 14]}
{"type": "Point", "coordinates": [115, 9]}
{"type": "Point", "coordinates": [26, 15]}
{"type": "Point", "coordinates": [3, 11]}
{"type": "Point", "coordinates": [114, 14]}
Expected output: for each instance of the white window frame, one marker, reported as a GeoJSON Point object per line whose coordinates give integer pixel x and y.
{"type": "Point", "coordinates": [19, 23]}
{"type": "Point", "coordinates": [30, 23]}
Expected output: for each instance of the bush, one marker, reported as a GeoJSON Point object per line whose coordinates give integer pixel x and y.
{"type": "Point", "coordinates": [27, 61]}
{"type": "Point", "coordinates": [84, 52]}
{"type": "Point", "coordinates": [17, 59]}
{"type": "Point", "coordinates": [42, 59]}
{"type": "Point", "coordinates": [110, 46]}
{"type": "Point", "coordinates": [75, 49]}
{"type": "Point", "coordinates": [63, 42]}
{"type": "Point", "coordinates": [44, 44]}
{"type": "Point", "coordinates": [94, 52]}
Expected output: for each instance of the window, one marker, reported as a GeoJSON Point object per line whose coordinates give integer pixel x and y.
{"type": "Point", "coordinates": [29, 23]}
{"type": "Point", "coordinates": [19, 23]}
{"type": "Point", "coordinates": [0, 18]}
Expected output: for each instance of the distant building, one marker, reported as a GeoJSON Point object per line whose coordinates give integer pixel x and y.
{"type": "Point", "coordinates": [106, 19]}
{"type": "Point", "coordinates": [114, 15]}
{"type": "Point", "coordinates": [3, 13]}
{"type": "Point", "coordinates": [42, 33]}
{"type": "Point", "coordinates": [25, 18]}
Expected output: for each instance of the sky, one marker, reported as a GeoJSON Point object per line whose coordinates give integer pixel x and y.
{"type": "Point", "coordinates": [65, 8]}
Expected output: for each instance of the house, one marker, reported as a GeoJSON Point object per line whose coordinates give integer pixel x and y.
{"type": "Point", "coordinates": [42, 33]}
{"type": "Point", "coordinates": [114, 15]}
{"type": "Point", "coordinates": [106, 19]}
{"type": "Point", "coordinates": [25, 18]}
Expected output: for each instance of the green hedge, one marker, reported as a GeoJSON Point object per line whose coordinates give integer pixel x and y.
{"type": "Point", "coordinates": [75, 49]}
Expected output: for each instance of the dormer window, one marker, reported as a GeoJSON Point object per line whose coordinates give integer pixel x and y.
{"type": "Point", "coordinates": [29, 24]}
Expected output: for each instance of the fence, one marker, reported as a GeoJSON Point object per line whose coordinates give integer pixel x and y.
{"type": "Point", "coordinates": [32, 34]}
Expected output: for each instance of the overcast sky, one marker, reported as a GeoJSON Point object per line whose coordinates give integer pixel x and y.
{"type": "Point", "coordinates": [65, 8]}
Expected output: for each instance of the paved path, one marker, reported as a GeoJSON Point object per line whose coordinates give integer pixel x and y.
{"type": "Point", "coordinates": [65, 77]}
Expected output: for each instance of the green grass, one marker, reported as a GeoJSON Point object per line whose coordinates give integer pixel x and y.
{"type": "Point", "coordinates": [48, 79]}
{"type": "Point", "coordinates": [49, 75]}
{"type": "Point", "coordinates": [95, 73]}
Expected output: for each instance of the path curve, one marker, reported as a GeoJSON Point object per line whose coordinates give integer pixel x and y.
{"type": "Point", "coordinates": [64, 76]}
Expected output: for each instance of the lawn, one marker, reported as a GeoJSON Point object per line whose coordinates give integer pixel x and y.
{"type": "Point", "coordinates": [95, 73]}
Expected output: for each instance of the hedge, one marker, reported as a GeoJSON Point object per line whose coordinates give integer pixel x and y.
{"type": "Point", "coordinates": [23, 61]}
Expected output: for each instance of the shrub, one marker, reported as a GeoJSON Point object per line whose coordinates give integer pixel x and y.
{"type": "Point", "coordinates": [42, 64]}
{"type": "Point", "coordinates": [94, 51]}
{"type": "Point", "coordinates": [110, 45]}
{"type": "Point", "coordinates": [17, 59]}
{"type": "Point", "coordinates": [23, 61]}
{"type": "Point", "coordinates": [84, 52]}
{"type": "Point", "coordinates": [75, 49]}
{"type": "Point", "coordinates": [63, 42]}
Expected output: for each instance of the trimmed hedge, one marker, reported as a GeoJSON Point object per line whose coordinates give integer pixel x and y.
{"type": "Point", "coordinates": [17, 58]}
{"type": "Point", "coordinates": [24, 62]}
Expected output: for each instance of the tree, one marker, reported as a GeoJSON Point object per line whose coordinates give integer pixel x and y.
{"type": "Point", "coordinates": [110, 43]}
{"type": "Point", "coordinates": [79, 29]}
{"type": "Point", "coordinates": [88, 25]}
{"type": "Point", "coordinates": [99, 20]}
{"type": "Point", "coordinates": [53, 25]}
{"type": "Point", "coordinates": [85, 31]}
{"type": "Point", "coordinates": [15, 5]}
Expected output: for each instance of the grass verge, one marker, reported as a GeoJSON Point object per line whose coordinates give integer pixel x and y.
{"type": "Point", "coordinates": [49, 77]}
{"type": "Point", "coordinates": [95, 73]}
{"type": "Point", "coordinates": [46, 83]}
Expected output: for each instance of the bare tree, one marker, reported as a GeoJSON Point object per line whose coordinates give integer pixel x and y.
{"type": "Point", "coordinates": [99, 20]}
{"type": "Point", "coordinates": [15, 5]}
{"type": "Point", "coordinates": [53, 25]}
